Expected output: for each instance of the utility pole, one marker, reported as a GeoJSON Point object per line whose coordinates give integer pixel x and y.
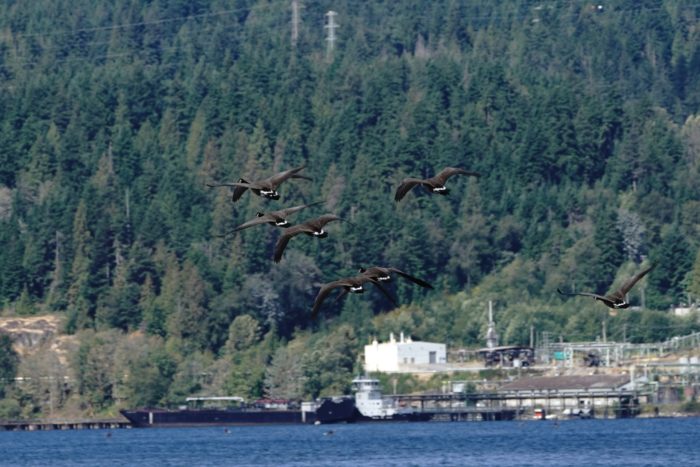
{"type": "Point", "coordinates": [331, 34]}
{"type": "Point", "coordinates": [295, 22]}
{"type": "Point", "coordinates": [491, 335]}
{"type": "Point", "coordinates": [544, 345]}
{"type": "Point", "coordinates": [126, 204]}
{"type": "Point", "coordinates": [605, 337]}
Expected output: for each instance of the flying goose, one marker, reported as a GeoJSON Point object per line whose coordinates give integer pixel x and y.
{"type": "Point", "coordinates": [434, 184]}
{"type": "Point", "coordinates": [267, 188]}
{"type": "Point", "coordinates": [276, 218]}
{"type": "Point", "coordinates": [313, 227]}
{"type": "Point", "coordinates": [616, 299]}
{"type": "Point", "coordinates": [349, 285]}
{"type": "Point", "coordinates": [384, 274]}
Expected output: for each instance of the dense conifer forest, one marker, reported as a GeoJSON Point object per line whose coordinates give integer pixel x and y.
{"type": "Point", "coordinates": [583, 119]}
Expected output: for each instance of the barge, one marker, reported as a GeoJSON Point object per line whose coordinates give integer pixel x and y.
{"type": "Point", "coordinates": [367, 405]}
{"type": "Point", "coordinates": [218, 411]}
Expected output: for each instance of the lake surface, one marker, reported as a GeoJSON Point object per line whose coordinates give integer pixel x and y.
{"type": "Point", "coordinates": [637, 442]}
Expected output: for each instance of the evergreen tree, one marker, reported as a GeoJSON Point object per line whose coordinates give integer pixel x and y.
{"type": "Point", "coordinates": [9, 362]}
{"type": "Point", "coordinates": [80, 310]}
{"type": "Point", "coordinates": [673, 261]}
{"type": "Point", "coordinates": [11, 270]}
{"type": "Point", "coordinates": [694, 279]}
{"type": "Point", "coordinates": [608, 240]}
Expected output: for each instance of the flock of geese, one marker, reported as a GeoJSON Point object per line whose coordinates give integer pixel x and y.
{"type": "Point", "coordinates": [267, 188]}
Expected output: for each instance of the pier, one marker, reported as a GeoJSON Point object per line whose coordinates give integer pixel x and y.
{"type": "Point", "coordinates": [600, 396]}
{"type": "Point", "coordinates": [472, 414]}
{"type": "Point", "coordinates": [63, 424]}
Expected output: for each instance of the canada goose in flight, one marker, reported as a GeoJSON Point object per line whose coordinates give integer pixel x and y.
{"type": "Point", "coordinates": [313, 227]}
{"type": "Point", "coordinates": [616, 299]}
{"type": "Point", "coordinates": [276, 218]}
{"type": "Point", "coordinates": [349, 285]}
{"type": "Point", "coordinates": [434, 184]}
{"type": "Point", "coordinates": [267, 188]}
{"type": "Point", "coordinates": [384, 274]}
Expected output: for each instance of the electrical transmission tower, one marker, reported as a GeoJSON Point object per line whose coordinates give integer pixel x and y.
{"type": "Point", "coordinates": [295, 22]}
{"type": "Point", "coordinates": [331, 33]}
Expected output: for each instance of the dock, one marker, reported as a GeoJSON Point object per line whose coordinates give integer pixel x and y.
{"type": "Point", "coordinates": [473, 414]}
{"type": "Point", "coordinates": [63, 424]}
{"type": "Point", "coordinates": [604, 396]}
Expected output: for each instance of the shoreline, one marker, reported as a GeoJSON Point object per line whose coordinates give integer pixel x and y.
{"type": "Point", "coordinates": [51, 424]}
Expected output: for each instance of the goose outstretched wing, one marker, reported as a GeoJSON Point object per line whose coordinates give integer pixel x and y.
{"type": "Point", "coordinates": [411, 278]}
{"type": "Point", "coordinates": [627, 286]}
{"type": "Point", "coordinates": [406, 185]}
{"type": "Point", "coordinates": [277, 179]}
{"type": "Point", "coordinates": [447, 172]}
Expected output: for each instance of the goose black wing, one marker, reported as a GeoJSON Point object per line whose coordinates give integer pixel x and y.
{"type": "Point", "coordinates": [325, 290]}
{"type": "Point", "coordinates": [257, 221]}
{"type": "Point", "coordinates": [583, 294]}
{"type": "Point", "coordinates": [406, 185]}
{"type": "Point", "coordinates": [447, 172]}
{"type": "Point", "coordinates": [286, 212]}
{"type": "Point", "coordinates": [374, 272]}
{"type": "Point", "coordinates": [627, 286]}
{"type": "Point", "coordinates": [382, 289]}
{"type": "Point", "coordinates": [324, 219]}
{"type": "Point", "coordinates": [286, 236]}
{"type": "Point", "coordinates": [608, 300]}
{"type": "Point", "coordinates": [215, 185]}
{"type": "Point", "coordinates": [411, 278]}
{"type": "Point", "coordinates": [277, 179]}
{"type": "Point", "coordinates": [237, 189]}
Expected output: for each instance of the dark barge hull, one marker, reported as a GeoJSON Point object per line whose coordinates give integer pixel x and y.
{"type": "Point", "coordinates": [152, 418]}
{"type": "Point", "coordinates": [339, 410]}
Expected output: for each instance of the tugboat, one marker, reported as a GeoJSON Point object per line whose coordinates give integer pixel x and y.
{"type": "Point", "coordinates": [373, 406]}
{"type": "Point", "coordinates": [368, 405]}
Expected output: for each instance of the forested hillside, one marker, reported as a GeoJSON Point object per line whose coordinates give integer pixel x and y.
{"type": "Point", "coordinates": [583, 119]}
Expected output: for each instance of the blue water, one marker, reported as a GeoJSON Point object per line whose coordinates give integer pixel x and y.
{"type": "Point", "coordinates": [638, 442]}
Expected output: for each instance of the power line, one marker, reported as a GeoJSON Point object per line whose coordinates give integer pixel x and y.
{"type": "Point", "coordinates": [152, 48]}
{"type": "Point", "coordinates": [212, 14]}
{"type": "Point", "coordinates": [138, 23]}
{"type": "Point", "coordinates": [78, 44]}
{"type": "Point", "coordinates": [470, 21]}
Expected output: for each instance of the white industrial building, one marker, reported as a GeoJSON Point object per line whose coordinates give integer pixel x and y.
{"type": "Point", "coordinates": [403, 355]}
